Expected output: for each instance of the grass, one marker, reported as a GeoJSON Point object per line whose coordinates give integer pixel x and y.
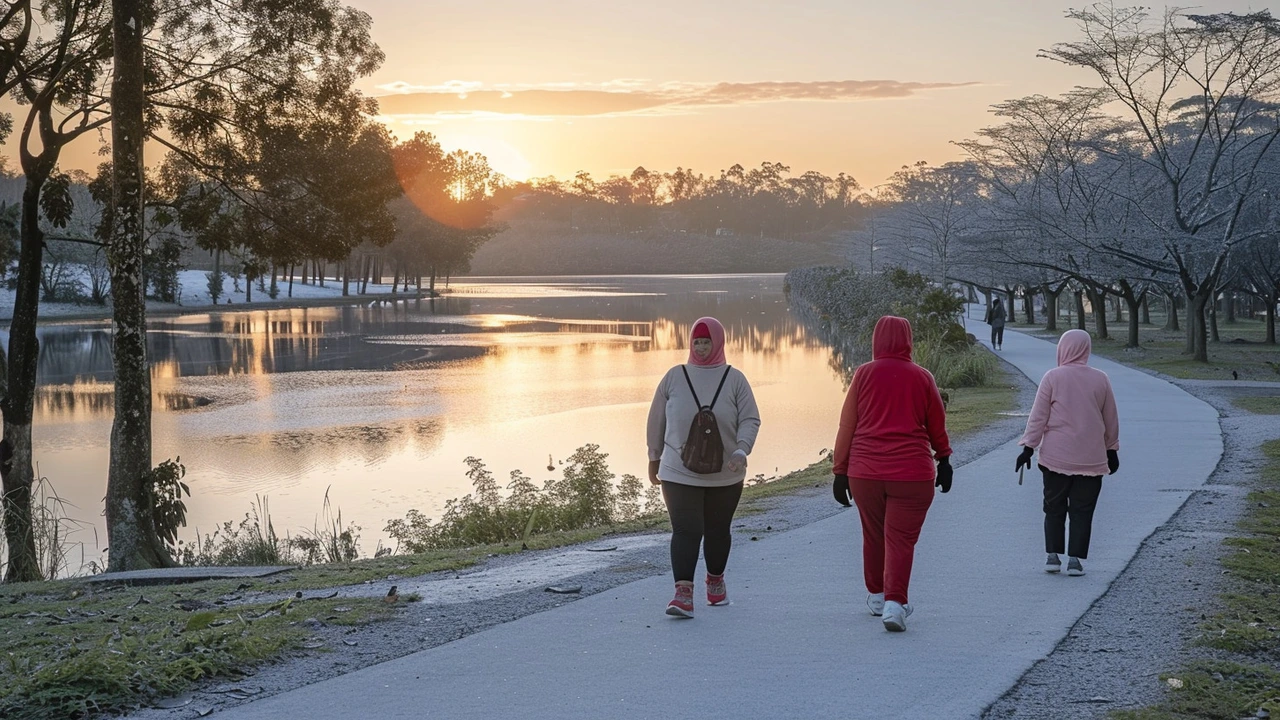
{"type": "Point", "coordinates": [1258, 405]}
{"type": "Point", "coordinates": [78, 650]}
{"type": "Point", "coordinates": [1241, 350]}
{"type": "Point", "coordinates": [1244, 636]}
{"type": "Point", "coordinates": [971, 409]}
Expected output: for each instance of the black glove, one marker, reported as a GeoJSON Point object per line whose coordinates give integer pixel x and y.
{"type": "Point", "coordinates": [840, 488]}
{"type": "Point", "coordinates": [1024, 460]}
{"type": "Point", "coordinates": [1113, 461]}
{"type": "Point", "coordinates": [944, 474]}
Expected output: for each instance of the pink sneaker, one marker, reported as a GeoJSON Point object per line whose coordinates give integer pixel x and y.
{"type": "Point", "coordinates": [682, 604]}
{"type": "Point", "coordinates": [716, 594]}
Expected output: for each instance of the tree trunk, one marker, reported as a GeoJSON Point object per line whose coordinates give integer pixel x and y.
{"type": "Point", "coordinates": [1171, 318]}
{"type": "Point", "coordinates": [1080, 317]}
{"type": "Point", "coordinates": [432, 289]}
{"type": "Point", "coordinates": [131, 534]}
{"type": "Point", "coordinates": [1119, 307]}
{"type": "Point", "coordinates": [322, 269]}
{"type": "Point", "coordinates": [1146, 308]}
{"type": "Point", "coordinates": [1134, 302]}
{"type": "Point", "coordinates": [1050, 308]}
{"type": "Point", "coordinates": [1029, 306]}
{"type": "Point", "coordinates": [248, 288]}
{"type": "Point", "coordinates": [395, 276]}
{"type": "Point", "coordinates": [346, 277]}
{"type": "Point", "coordinates": [364, 274]}
{"type": "Point", "coordinates": [1272, 300]}
{"type": "Point", "coordinates": [305, 269]}
{"type": "Point", "coordinates": [1197, 333]}
{"type": "Point", "coordinates": [291, 267]}
{"type": "Point", "coordinates": [1098, 299]}
{"type": "Point", "coordinates": [16, 466]}
{"type": "Point", "coordinates": [1213, 321]}
{"type": "Point", "coordinates": [1231, 308]}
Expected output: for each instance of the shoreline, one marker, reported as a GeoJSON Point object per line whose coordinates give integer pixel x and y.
{"type": "Point", "coordinates": [103, 313]}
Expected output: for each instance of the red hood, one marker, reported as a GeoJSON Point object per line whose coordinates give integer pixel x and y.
{"type": "Point", "coordinates": [891, 339]}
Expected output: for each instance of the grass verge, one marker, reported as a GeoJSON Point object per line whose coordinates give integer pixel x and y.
{"type": "Point", "coordinates": [82, 651]}
{"type": "Point", "coordinates": [1241, 677]}
{"type": "Point", "coordinates": [1240, 350]}
{"type": "Point", "coordinates": [1258, 405]}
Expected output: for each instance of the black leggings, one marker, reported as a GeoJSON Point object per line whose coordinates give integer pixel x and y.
{"type": "Point", "coordinates": [1074, 495]}
{"type": "Point", "coordinates": [700, 516]}
{"type": "Point", "coordinates": [997, 335]}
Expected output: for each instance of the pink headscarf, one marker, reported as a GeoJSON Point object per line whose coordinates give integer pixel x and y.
{"type": "Point", "coordinates": [716, 330]}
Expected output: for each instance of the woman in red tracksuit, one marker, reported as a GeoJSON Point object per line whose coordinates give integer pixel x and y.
{"type": "Point", "coordinates": [892, 428]}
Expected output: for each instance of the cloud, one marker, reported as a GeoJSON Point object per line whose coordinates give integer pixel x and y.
{"type": "Point", "coordinates": [630, 97]}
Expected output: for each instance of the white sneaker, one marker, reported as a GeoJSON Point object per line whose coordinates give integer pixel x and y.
{"type": "Point", "coordinates": [1054, 564]}
{"type": "Point", "coordinates": [875, 603]}
{"type": "Point", "coordinates": [1074, 567]}
{"type": "Point", "coordinates": [895, 616]}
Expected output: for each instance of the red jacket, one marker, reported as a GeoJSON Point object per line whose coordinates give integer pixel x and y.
{"type": "Point", "coordinates": [892, 425]}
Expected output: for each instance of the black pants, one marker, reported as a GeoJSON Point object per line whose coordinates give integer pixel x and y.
{"type": "Point", "coordinates": [997, 335]}
{"type": "Point", "coordinates": [1074, 495]}
{"type": "Point", "coordinates": [700, 516]}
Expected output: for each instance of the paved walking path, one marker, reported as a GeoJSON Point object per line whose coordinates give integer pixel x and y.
{"type": "Point", "coordinates": [797, 640]}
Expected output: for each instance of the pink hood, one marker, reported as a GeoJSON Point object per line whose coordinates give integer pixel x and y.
{"type": "Point", "coordinates": [1074, 347]}
{"type": "Point", "coordinates": [1074, 420]}
{"type": "Point", "coordinates": [717, 343]}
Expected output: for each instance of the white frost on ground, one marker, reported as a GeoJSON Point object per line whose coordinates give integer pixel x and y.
{"type": "Point", "coordinates": [194, 294]}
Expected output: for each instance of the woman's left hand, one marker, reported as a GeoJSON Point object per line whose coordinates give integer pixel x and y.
{"type": "Point", "coordinates": [737, 461]}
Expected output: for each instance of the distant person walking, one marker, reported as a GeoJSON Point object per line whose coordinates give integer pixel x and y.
{"type": "Point", "coordinates": [1074, 424]}
{"type": "Point", "coordinates": [702, 426]}
{"type": "Point", "coordinates": [892, 429]}
{"type": "Point", "coordinates": [995, 318]}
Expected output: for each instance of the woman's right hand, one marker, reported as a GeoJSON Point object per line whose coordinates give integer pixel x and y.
{"type": "Point", "coordinates": [1024, 458]}
{"type": "Point", "coordinates": [653, 472]}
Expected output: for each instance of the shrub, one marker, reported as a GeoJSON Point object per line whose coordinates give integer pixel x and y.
{"type": "Point", "coordinates": [584, 496]}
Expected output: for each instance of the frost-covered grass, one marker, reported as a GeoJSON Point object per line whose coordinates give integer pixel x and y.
{"type": "Point", "coordinates": [1240, 349]}
{"type": "Point", "coordinates": [194, 295]}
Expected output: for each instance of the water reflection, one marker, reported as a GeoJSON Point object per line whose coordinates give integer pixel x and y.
{"type": "Point", "coordinates": [382, 402]}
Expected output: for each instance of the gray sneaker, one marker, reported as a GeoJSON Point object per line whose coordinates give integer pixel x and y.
{"type": "Point", "coordinates": [1074, 568]}
{"type": "Point", "coordinates": [895, 616]}
{"type": "Point", "coordinates": [1054, 565]}
{"type": "Point", "coordinates": [875, 603]}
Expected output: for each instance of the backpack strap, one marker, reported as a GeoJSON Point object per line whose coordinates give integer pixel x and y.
{"type": "Point", "coordinates": [695, 392]}
{"type": "Point", "coordinates": [720, 386]}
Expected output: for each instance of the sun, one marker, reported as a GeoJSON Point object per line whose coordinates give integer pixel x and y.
{"type": "Point", "coordinates": [503, 157]}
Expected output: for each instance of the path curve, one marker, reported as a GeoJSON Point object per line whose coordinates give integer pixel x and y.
{"type": "Point", "coordinates": [797, 640]}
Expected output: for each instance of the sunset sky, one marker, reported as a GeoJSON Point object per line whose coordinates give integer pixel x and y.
{"type": "Point", "coordinates": [599, 85]}
{"type": "Point", "coordinates": [557, 86]}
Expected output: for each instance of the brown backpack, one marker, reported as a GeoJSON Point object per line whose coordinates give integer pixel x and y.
{"type": "Point", "coordinates": [703, 451]}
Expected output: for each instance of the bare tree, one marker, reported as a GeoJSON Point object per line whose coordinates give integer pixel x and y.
{"type": "Point", "coordinates": [1197, 92]}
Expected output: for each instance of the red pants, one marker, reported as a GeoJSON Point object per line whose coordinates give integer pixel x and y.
{"type": "Point", "coordinates": [892, 513]}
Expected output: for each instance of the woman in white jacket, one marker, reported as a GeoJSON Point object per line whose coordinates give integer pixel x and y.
{"type": "Point", "coordinates": [701, 480]}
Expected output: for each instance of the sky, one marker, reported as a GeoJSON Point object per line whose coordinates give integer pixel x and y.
{"type": "Point", "coordinates": [552, 87]}
{"type": "Point", "coordinates": [557, 86]}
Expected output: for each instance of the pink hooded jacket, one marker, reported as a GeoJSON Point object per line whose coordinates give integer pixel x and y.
{"type": "Point", "coordinates": [1073, 421]}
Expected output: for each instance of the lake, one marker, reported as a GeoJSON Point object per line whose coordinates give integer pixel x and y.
{"type": "Point", "coordinates": [378, 403]}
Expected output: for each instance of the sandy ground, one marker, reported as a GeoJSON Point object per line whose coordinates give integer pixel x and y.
{"type": "Point", "coordinates": [506, 588]}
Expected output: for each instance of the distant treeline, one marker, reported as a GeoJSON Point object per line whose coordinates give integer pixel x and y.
{"type": "Point", "coordinates": [764, 219]}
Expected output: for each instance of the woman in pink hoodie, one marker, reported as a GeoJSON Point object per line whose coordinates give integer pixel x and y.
{"type": "Point", "coordinates": [1074, 424]}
